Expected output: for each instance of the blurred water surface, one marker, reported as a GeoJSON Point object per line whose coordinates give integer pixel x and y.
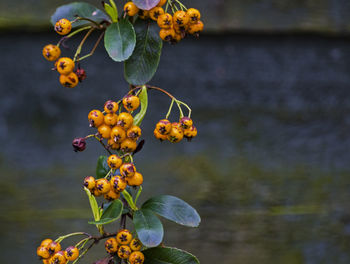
{"type": "Point", "coordinates": [269, 171]}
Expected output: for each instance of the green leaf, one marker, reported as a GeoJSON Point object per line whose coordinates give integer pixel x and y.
{"type": "Point", "coordinates": [110, 214]}
{"type": "Point", "coordinates": [120, 40]}
{"type": "Point", "coordinates": [167, 255]}
{"type": "Point", "coordinates": [146, 4]}
{"type": "Point", "coordinates": [102, 167]}
{"type": "Point", "coordinates": [148, 227]}
{"type": "Point", "coordinates": [70, 11]}
{"type": "Point", "coordinates": [129, 199]}
{"type": "Point", "coordinates": [174, 209]}
{"type": "Point", "coordinates": [143, 63]}
{"type": "Point", "coordinates": [112, 12]}
{"type": "Point", "coordinates": [93, 203]}
{"type": "Point", "coordinates": [143, 96]}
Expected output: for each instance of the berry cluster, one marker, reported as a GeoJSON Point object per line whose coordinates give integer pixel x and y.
{"type": "Point", "coordinates": [126, 247]}
{"type": "Point", "coordinates": [118, 129]}
{"type": "Point", "coordinates": [69, 76]}
{"type": "Point", "coordinates": [51, 252]}
{"type": "Point", "coordinates": [173, 28]}
{"type": "Point", "coordinates": [176, 131]}
{"type": "Point", "coordinates": [111, 186]}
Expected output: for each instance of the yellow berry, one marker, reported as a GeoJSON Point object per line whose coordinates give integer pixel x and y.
{"type": "Point", "coordinates": [167, 34]}
{"type": "Point", "coordinates": [71, 253]}
{"type": "Point", "coordinates": [112, 195]}
{"type": "Point", "coordinates": [124, 237]}
{"type": "Point", "coordinates": [165, 21]}
{"type": "Point", "coordinates": [58, 258]}
{"type": "Point", "coordinates": [63, 26]}
{"type": "Point", "coordinates": [195, 28]}
{"type": "Point", "coordinates": [111, 107]}
{"type": "Point", "coordinates": [51, 52]}
{"type": "Point", "coordinates": [70, 81]}
{"type": "Point", "coordinates": [54, 247]}
{"type": "Point", "coordinates": [134, 133]}
{"type": "Point", "coordinates": [135, 180]}
{"type": "Point", "coordinates": [159, 135]}
{"type": "Point", "coordinates": [127, 170]}
{"type": "Point", "coordinates": [180, 18]}
{"type": "Point", "coordinates": [131, 102]}
{"type": "Point", "coordinates": [194, 15]}
{"type": "Point", "coordinates": [131, 9]}
{"type": "Point", "coordinates": [176, 134]}
{"type": "Point", "coordinates": [118, 134]}
{"type": "Point", "coordinates": [155, 12]}
{"type": "Point", "coordinates": [104, 131]}
{"type": "Point", "coordinates": [136, 257]}
{"type": "Point", "coordinates": [111, 119]}
{"type": "Point", "coordinates": [163, 127]}
{"type": "Point", "coordinates": [186, 122]}
{"type": "Point", "coordinates": [103, 186]}
{"type": "Point", "coordinates": [111, 245]}
{"type": "Point", "coordinates": [135, 244]}
{"type": "Point", "coordinates": [43, 252]}
{"type": "Point", "coordinates": [118, 183]}
{"type": "Point", "coordinates": [89, 182]}
{"type": "Point", "coordinates": [114, 162]}
{"type": "Point", "coordinates": [125, 120]}
{"type": "Point", "coordinates": [128, 145]}
{"type": "Point", "coordinates": [96, 118]}
{"type": "Point", "coordinates": [65, 65]}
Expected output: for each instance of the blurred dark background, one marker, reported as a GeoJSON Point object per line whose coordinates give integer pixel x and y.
{"type": "Point", "coordinates": [269, 171]}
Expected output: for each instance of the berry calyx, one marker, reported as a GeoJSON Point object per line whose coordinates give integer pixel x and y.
{"type": "Point", "coordinates": [136, 257]}
{"type": "Point", "coordinates": [124, 237]}
{"type": "Point", "coordinates": [135, 244]}
{"type": "Point", "coordinates": [165, 21]}
{"type": "Point", "coordinates": [155, 12]}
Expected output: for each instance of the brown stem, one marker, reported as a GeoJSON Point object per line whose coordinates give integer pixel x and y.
{"type": "Point", "coordinates": [103, 144]}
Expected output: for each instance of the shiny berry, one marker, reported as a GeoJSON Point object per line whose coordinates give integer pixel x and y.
{"type": "Point", "coordinates": [165, 21]}
{"type": "Point", "coordinates": [111, 245]}
{"type": "Point", "coordinates": [135, 244]}
{"type": "Point", "coordinates": [89, 182]}
{"type": "Point", "coordinates": [124, 237]}
{"type": "Point", "coordinates": [131, 9]}
{"type": "Point", "coordinates": [96, 118]}
{"type": "Point", "coordinates": [54, 247]}
{"type": "Point", "coordinates": [180, 18]}
{"type": "Point", "coordinates": [186, 122]}
{"type": "Point", "coordinates": [112, 195]}
{"type": "Point", "coordinates": [65, 65]}
{"type": "Point", "coordinates": [118, 134]}
{"type": "Point", "coordinates": [43, 252]}
{"type": "Point", "coordinates": [155, 12]}
{"type": "Point", "coordinates": [194, 15]}
{"type": "Point", "coordinates": [46, 242]}
{"type": "Point", "coordinates": [125, 120]}
{"type": "Point", "coordinates": [70, 81]}
{"type": "Point", "coordinates": [95, 192]}
{"type": "Point", "coordinates": [111, 107]}
{"type": "Point", "coordinates": [63, 26]}
{"type": "Point", "coordinates": [190, 133]}
{"type": "Point", "coordinates": [159, 135]}
{"type": "Point", "coordinates": [176, 134]}
{"type": "Point", "coordinates": [118, 184]}
{"type": "Point", "coordinates": [104, 131]}
{"type": "Point", "coordinates": [135, 180]}
{"type": "Point", "coordinates": [51, 52]}
{"type": "Point", "coordinates": [127, 170]}
{"type": "Point", "coordinates": [134, 133]}
{"type": "Point", "coordinates": [167, 34]}
{"type": "Point", "coordinates": [128, 145]}
{"type": "Point", "coordinates": [114, 162]}
{"type": "Point", "coordinates": [111, 119]}
{"type": "Point", "coordinates": [195, 28]}
{"type": "Point", "coordinates": [131, 102]}
{"type": "Point", "coordinates": [164, 127]}
{"type": "Point", "coordinates": [103, 186]}
{"type": "Point", "coordinates": [71, 253]}
{"type": "Point", "coordinates": [136, 257]}
{"type": "Point", "coordinates": [58, 258]}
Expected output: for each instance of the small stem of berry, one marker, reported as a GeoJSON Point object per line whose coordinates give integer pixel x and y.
{"type": "Point", "coordinates": [72, 34]}
{"type": "Point", "coordinates": [77, 53]}
{"type": "Point", "coordinates": [110, 171]}
{"type": "Point", "coordinates": [189, 109]}
{"type": "Point", "coordinates": [94, 48]}
{"type": "Point", "coordinates": [138, 194]}
{"type": "Point", "coordinates": [87, 19]}
{"type": "Point", "coordinates": [181, 4]}
{"type": "Point", "coordinates": [170, 108]}
{"type": "Point", "coordinates": [84, 241]}
{"type": "Point", "coordinates": [61, 238]}
{"type": "Point", "coordinates": [101, 142]}
{"type": "Point", "coordinates": [180, 109]}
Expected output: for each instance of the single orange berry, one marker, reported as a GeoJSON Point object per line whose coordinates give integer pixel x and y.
{"type": "Point", "coordinates": [143, 14]}
{"type": "Point", "coordinates": [186, 122]}
{"type": "Point", "coordinates": [194, 15]}
{"type": "Point", "coordinates": [103, 186]}
{"type": "Point", "coordinates": [130, 9]}
{"type": "Point", "coordinates": [131, 102]}
{"type": "Point", "coordinates": [43, 252]}
{"type": "Point", "coordinates": [134, 133]}
{"type": "Point", "coordinates": [124, 237]}
{"type": "Point", "coordinates": [111, 245]}
{"type": "Point", "coordinates": [58, 258]}
{"type": "Point", "coordinates": [51, 52]}
{"type": "Point", "coordinates": [89, 182]}
{"type": "Point", "coordinates": [124, 252]}
{"type": "Point", "coordinates": [195, 28]}
{"type": "Point", "coordinates": [111, 119]}
{"type": "Point", "coordinates": [135, 180]}
{"type": "Point", "coordinates": [180, 18]}
{"type": "Point", "coordinates": [165, 21]}
{"type": "Point", "coordinates": [159, 135]}
{"type": "Point", "coordinates": [112, 195]}
{"type": "Point", "coordinates": [63, 26]}
{"type": "Point", "coordinates": [128, 145]}
{"type": "Point", "coordinates": [118, 183]}
{"type": "Point", "coordinates": [127, 170]}
{"type": "Point", "coordinates": [70, 81]}
{"type": "Point", "coordinates": [104, 131]}
{"type": "Point", "coordinates": [125, 120]}
{"type": "Point", "coordinates": [114, 162]}
{"type": "Point", "coordinates": [65, 65]}
{"type": "Point", "coordinates": [71, 253]}
{"type": "Point", "coordinates": [135, 244]}
{"type": "Point", "coordinates": [155, 12]}
{"type": "Point", "coordinates": [95, 118]}
{"type": "Point", "coordinates": [163, 127]}
{"type": "Point", "coordinates": [46, 242]}
{"type": "Point", "coordinates": [118, 134]}
{"type": "Point", "coordinates": [111, 107]}
{"type": "Point", "coordinates": [54, 247]}
{"type": "Point", "coordinates": [136, 257]}
{"type": "Point", "coordinates": [167, 34]}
